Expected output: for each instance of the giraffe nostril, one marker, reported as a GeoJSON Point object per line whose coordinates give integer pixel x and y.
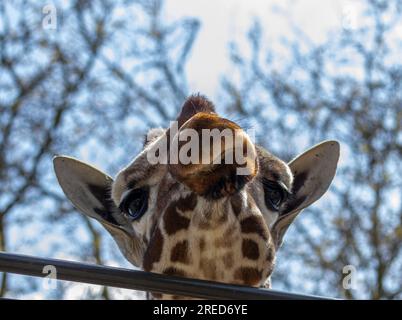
{"type": "Point", "coordinates": [227, 186]}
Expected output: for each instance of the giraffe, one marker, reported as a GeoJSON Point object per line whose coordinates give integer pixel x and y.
{"type": "Point", "coordinates": [201, 220]}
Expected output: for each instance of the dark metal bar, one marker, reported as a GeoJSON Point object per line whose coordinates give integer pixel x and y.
{"type": "Point", "coordinates": [139, 280]}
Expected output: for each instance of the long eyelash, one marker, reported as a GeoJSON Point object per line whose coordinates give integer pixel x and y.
{"type": "Point", "coordinates": [273, 184]}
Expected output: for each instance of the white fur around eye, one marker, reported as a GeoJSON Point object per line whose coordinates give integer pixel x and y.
{"type": "Point", "coordinates": [269, 216]}
{"type": "Point", "coordinates": [143, 225]}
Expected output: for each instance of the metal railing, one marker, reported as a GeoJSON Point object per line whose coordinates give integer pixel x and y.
{"type": "Point", "coordinates": [139, 280]}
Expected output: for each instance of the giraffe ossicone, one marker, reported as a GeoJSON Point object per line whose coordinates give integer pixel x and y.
{"type": "Point", "coordinates": [199, 217]}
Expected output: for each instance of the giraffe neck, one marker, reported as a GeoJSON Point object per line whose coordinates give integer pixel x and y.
{"type": "Point", "coordinates": [225, 242]}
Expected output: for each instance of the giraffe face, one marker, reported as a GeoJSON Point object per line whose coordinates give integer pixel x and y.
{"type": "Point", "coordinates": [215, 220]}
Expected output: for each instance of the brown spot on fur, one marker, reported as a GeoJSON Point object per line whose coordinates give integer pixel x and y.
{"type": "Point", "coordinates": [228, 260]}
{"type": "Point", "coordinates": [154, 251]}
{"type": "Point", "coordinates": [202, 244]}
{"type": "Point", "coordinates": [208, 267]}
{"type": "Point", "coordinates": [166, 189]}
{"type": "Point", "coordinates": [180, 252]}
{"type": "Point", "coordinates": [222, 242]}
{"type": "Point", "coordinates": [227, 238]}
{"type": "Point", "coordinates": [249, 276]}
{"type": "Point", "coordinates": [237, 203]}
{"type": "Point", "coordinates": [250, 249]}
{"type": "Point", "coordinates": [254, 224]}
{"type": "Point", "coordinates": [188, 203]}
{"type": "Point", "coordinates": [172, 271]}
{"type": "Point", "coordinates": [173, 220]}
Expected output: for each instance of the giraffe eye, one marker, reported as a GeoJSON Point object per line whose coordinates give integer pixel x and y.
{"type": "Point", "coordinates": [135, 204]}
{"type": "Point", "coordinates": [274, 194]}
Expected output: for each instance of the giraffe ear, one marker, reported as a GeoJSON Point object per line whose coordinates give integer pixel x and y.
{"type": "Point", "coordinates": [86, 187]}
{"type": "Point", "coordinates": [313, 173]}
{"type": "Point", "coordinates": [89, 191]}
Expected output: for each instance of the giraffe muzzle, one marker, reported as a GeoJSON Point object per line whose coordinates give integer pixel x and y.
{"type": "Point", "coordinates": [212, 156]}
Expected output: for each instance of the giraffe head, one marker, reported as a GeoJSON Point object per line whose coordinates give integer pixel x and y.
{"type": "Point", "coordinates": [202, 207]}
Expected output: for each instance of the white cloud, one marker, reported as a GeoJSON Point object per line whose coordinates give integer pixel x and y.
{"type": "Point", "coordinates": [226, 20]}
